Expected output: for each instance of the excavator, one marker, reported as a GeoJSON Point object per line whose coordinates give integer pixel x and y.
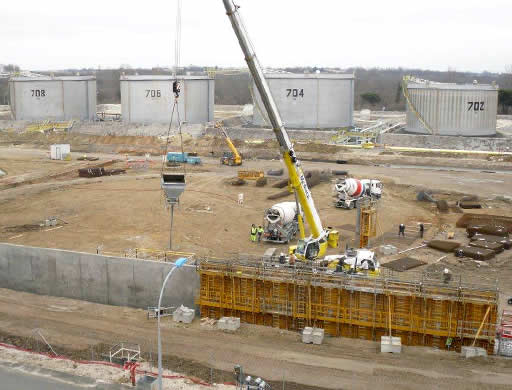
{"type": "Point", "coordinates": [229, 158]}
{"type": "Point", "coordinates": [314, 246]}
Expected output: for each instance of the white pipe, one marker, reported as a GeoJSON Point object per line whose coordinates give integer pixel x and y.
{"type": "Point", "coordinates": [410, 249]}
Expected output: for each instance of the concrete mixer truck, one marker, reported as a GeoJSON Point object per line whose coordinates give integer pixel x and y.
{"type": "Point", "coordinates": [349, 191]}
{"type": "Point", "coordinates": [281, 223]}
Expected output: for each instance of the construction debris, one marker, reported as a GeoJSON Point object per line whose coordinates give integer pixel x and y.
{"type": "Point", "coordinates": [275, 172]}
{"type": "Point", "coordinates": [183, 314]}
{"type": "Point", "coordinates": [99, 171]}
{"type": "Point", "coordinates": [388, 249]}
{"type": "Point", "coordinates": [280, 184]}
{"type": "Point", "coordinates": [228, 323]}
{"type": "Point", "coordinates": [238, 182]}
{"type": "Point", "coordinates": [443, 245]}
{"type": "Point", "coordinates": [404, 264]}
{"type": "Point", "coordinates": [471, 352]}
{"type": "Point", "coordinates": [313, 335]}
{"type": "Point", "coordinates": [442, 205]}
{"type": "Point", "coordinates": [506, 242]}
{"type": "Point", "coordinates": [261, 182]}
{"type": "Point", "coordinates": [469, 219]}
{"type": "Point", "coordinates": [469, 205]}
{"type": "Point", "coordinates": [491, 229]}
{"type": "Point", "coordinates": [87, 158]}
{"type": "Point", "coordinates": [494, 246]}
{"type": "Point", "coordinates": [475, 253]}
{"type": "Point", "coordinates": [389, 344]}
{"type": "Point", "coordinates": [424, 196]}
{"type": "Point", "coordinates": [250, 175]}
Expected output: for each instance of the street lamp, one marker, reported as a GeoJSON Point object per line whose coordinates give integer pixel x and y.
{"type": "Point", "coordinates": [178, 264]}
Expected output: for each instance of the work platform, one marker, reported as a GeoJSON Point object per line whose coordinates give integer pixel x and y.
{"type": "Point", "coordinates": [420, 308]}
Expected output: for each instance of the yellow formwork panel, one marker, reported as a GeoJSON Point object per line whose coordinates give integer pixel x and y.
{"type": "Point", "coordinates": [350, 307]}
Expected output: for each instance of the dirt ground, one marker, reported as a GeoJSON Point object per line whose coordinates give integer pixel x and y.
{"type": "Point", "coordinates": [117, 214]}
{"type": "Point", "coordinates": [76, 328]}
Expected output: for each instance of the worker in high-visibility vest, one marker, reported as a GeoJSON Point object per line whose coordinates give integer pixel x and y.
{"type": "Point", "coordinates": [254, 232]}
{"type": "Point", "coordinates": [260, 232]}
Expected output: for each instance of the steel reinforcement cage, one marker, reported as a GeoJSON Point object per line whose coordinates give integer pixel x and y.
{"type": "Point", "coordinates": [420, 308]}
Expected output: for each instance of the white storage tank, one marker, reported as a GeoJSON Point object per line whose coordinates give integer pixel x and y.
{"type": "Point", "coordinates": [309, 101]}
{"type": "Point", "coordinates": [452, 109]}
{"type": "Point", "coordinates": [54, 98]}
{"type": "Point", "coordinates": [149, 99]}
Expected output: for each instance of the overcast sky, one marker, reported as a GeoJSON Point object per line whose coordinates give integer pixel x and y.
{"type": "Point", "coordinates": [469, 35]}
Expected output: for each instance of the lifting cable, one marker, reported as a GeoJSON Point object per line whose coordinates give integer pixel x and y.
{"type": "Point", "coordinates": [176, 88]}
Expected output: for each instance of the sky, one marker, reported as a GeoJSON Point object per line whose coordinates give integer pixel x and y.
{"type": "Point", "coordinates": [464, 35]}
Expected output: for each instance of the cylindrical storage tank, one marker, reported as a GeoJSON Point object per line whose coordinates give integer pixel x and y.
{"type": "Point", "coordinates": [452, 109]}
{"type": "Point", "coordinates": [281, 213]}
{"type": "Point", "coordinates": [308, 101]}
{"type": "Point", "coordinates": [55, 98]}
{"type": "Point", "coordinates": [149, 99]}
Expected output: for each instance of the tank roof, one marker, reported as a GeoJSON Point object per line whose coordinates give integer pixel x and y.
{"type": "Point", "coordinates": [151, 77]}
{"type": "Point", "coordinates": [322, 76]}
{"type": "Point", "coordinates": [451, 86]}
{"type": "Point", "coordinates": [55, 78]}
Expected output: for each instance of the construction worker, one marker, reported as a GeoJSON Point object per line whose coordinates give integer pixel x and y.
{"type": "Point", "coordinates": [401, 230]}
{"type": "Point", "coordinates": [447, 275]}
{"type": "Point", "coordinates": [260, 232]}
{"type": "Point", "coordinates": [422, 230]}
{"type": "Point", "coordinates": [254, 231]}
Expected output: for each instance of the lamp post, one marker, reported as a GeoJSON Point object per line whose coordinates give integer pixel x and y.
{"type": "Point", "coordinates": [178, 264]}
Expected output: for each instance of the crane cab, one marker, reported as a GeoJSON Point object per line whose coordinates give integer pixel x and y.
{"type": "Point", "coordinates": [310, 249]}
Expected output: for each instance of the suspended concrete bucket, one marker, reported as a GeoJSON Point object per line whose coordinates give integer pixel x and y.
{"type": "Point", "coordinates": [173, 185]}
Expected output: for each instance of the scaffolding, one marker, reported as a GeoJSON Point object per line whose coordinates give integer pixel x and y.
{"type": "Point", "coordinates": [421, 309]}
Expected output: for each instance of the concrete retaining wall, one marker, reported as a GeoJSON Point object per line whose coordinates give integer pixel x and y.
{"type": "Point", "coordinates": [244, 133]}
{"type": "Point", "coordinates": [447, 142]}
{"type": "Point", "coordinates": [95, 278]}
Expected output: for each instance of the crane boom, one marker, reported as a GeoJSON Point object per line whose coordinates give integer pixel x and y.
{"type": "Point", "coordinates": [235, 158]}
{"type": "Point", "coordinates": [298, 181]}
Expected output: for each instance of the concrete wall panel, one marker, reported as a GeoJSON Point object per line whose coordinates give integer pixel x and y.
{"type": "Point", "coordinates": [95, 278]}
{"type": "Point", "coordinates": [121, 286]}
{"type": "Point", "coordinates": [67, 276]}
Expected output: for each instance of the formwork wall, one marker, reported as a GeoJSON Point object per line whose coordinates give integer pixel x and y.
{"type": "Point", "coordinates": [356, 307]}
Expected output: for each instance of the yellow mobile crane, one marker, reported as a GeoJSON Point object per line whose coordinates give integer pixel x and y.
{"type": "Point", "coordinates": [229, 158]}
{"type": "Point", "coordinates": [308, 248]}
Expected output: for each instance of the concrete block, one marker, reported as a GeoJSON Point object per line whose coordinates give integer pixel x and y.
{"type": "Point", "coordinates": [470, 352]}
{"type": "Point", "coordinates": [307, 335]}
{"type": "Point", "coordinates": [504, 347]}
{"type": "Point", "coordinates": [228, 323]}
{"type": "Point", "coordinates": [318, 336]}
{"type": "Point", "coordinates": [390, 344]}
{"type": "Point", "coordinates": [183, 314]}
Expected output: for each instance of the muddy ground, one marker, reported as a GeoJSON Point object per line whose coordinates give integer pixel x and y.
{"type": "Point", "coordinates": [120, 213]}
